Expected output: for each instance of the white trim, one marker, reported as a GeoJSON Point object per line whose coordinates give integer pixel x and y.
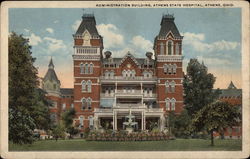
{"type": "Point", "coordinates": [86, 84]}
{"type": "Point", "coordinates": [79, 101]}
{"type": "Point", "coordinates": [170, 78]}
{"type": "Point", "coordinates": [170, 82]}
{"type": "Point", "coordinates": [89, 77]}
{"type": "Point", "coordinates": [170, 99]}
{"type": "Point", "coordinates": [90, 63]}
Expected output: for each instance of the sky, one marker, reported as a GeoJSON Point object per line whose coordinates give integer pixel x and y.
{"type": "Point", "coordinates": [212, 35]}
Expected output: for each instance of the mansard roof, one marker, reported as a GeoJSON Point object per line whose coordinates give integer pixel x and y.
{"type": "Point", "coordinates": [88, 23]}
{"type": "Point", "coordinates": [67, 91]}
{"type": "Point", "coordinates": [167, 26]}
{"type": "Point", "coordinates": [231, 91]}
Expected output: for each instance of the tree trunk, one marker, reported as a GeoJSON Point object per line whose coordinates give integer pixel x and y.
{"type": "Point", "coordinates": [212, 138]}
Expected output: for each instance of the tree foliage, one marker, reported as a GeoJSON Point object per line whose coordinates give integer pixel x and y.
{"type": "Point", "coordinates": [40, 111]}
{"type": "Point", "coordinates": [198, 87]}
{"type": "Point", "coordinates": [68, 117]}
{"type": "Point", "coordinates": [22, 84]}
{"type": "Point", "coordinates": [215, 117]}
{"type": "Point", "coordinates": [27, 109]}
{"type": "Point", "coordinates": [180, 124]}
{"type": "Point", "coordinates": [58, 131]}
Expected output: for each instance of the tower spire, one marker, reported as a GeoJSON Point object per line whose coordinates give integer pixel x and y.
{"type": "Point", "coordinates": [51, 65]}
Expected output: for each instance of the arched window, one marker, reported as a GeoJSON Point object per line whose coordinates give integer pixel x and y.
{"type": "Point", "coordinates": [169, 69]}
{"type": "Point", "coordinates": [81, 68]}
{"type": "Point", "coordinates": [161, 48]}
{"type": "Point", "coordinates": [167, 104]}
{"type": "Point", "coordinates": [145, 73]}
{"type": "Point", "coordinates": [173, 104]}
{"type": "Point", "coordinates": [177, 49]}
{"type": "Point", "coordinates": [89, 103]}
{"type": "Point", "coordinates": [112, 73]}
{"type": "Point", "coordinates": [165, 68]}
{"type": "Point", "coordinates": [129, 73]}
{"type": "Point", "coordinates": [91, 68]}
{"type": "Point", "coordinates": [167, 87]}
{"type": "Point", "coordinates": [83, 86]}
{"type": "Point", "coordinates": [91, 122]}
{"type": "Point", "coordinates": [84, 104]}
{"type": "Point", "coordinates": [172, 86]}
{"type": "Point", "coordinates": [124, 72]}
{"type": "Point", "coordinates": [174, 68]}
{"type": "Point", "coordinates": [169, 47]}
{"type": "Point", "coordinates": [133, 73]}
{"type": "Point", "coordinates": [106, 74]}
{"type": "Point", "coordinates": [89, 85]}
{"type": "Point", "coordinates": [81, 118]}
{"type": "Point", "coordinates": [150, 74]}
{"type": "Point", "coordinates": [86, 68]}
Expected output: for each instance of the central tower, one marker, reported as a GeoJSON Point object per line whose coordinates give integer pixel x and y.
{"type": "Point", "coordinates": [88, 46]}
{"type": "Point", "coordinates": [168, 53]}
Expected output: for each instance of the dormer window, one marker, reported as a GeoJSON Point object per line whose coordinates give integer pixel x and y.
{"type": "Point", "coordinates": [86, 38]}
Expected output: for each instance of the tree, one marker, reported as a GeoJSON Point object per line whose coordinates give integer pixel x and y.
{"type": "Point", "coordinates": [22, 84]}
{"type": "Point", "coordinates": [68, 117]}
{"type": "Point", "coordinates": [58, 131]}
{"type": "Point", "coordinates": [198, 87]}
{"type": "Point", "coordinates": [40, 110]}
{"type": "Point", "coordinates": [179, 124]}
{"type": "Point", "coordinates": [215, 117]}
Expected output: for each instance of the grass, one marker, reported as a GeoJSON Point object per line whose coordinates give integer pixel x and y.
{"type": "Point", "coordinates": [171, 145]}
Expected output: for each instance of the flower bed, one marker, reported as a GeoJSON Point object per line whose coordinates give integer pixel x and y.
{"type": "Point", "coordinates": [123, 136]}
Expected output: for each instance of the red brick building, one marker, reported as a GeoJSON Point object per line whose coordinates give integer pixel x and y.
{"type": "Point", "coordinates": [233, 96]}
{"type": "Point", "coordinates": [107, 88]}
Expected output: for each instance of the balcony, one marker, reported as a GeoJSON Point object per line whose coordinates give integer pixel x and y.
{"type": "Point", "coordinates": [131, 93]}
{"type": "Point", "coordinates": [154, 110]}
{"type": "Point", "coordinates": [127, 79]}
{"type": "Point", "coordinates": [120, 105]}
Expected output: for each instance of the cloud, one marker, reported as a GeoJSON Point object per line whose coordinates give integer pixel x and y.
{"type": "Point", "coordinates": [34, 39]}
{"type": "Point", "coordinates": [112, 37]}
{"type": "Point", "coordinates": [76, 25]}
{"type": "Point", "coordinates": [56, 21]}
{"type": "Point", "coordinates": [54, 44]}
{"type": "Point", "coordinates": [27, 30]}
{"type": "Point", "coordinates": [198, 44]}
{"type": "Point", "coordinates": [50, 30]}
{"type": "Point", "coordinates": [140, 43]}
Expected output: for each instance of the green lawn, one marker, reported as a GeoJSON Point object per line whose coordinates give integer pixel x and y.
{"type": "Point", "coordinates": [171, 145]}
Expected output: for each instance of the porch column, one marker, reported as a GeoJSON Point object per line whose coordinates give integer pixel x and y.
{"type": "Point", "coordinates": [141, 88]}
{"type": "Point", "coordinates": [162, 119]}
{"type": "Point", "coordinates": [115, 87]}
{"type": "Point", "coordinates": [96, 122]}
{"type": "Point", "coordinates": [113, 120]}
{"type": "Point", "coordinates": [142, 120]}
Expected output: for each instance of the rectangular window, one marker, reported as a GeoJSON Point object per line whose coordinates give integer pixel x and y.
{"type": "Point", "coordinates": [72, 105]}
{"type": "Point", "coordinates": [63, 106]}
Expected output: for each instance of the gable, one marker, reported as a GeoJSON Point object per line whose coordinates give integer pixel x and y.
{"type": "Point", "coordinates": [129, 61]}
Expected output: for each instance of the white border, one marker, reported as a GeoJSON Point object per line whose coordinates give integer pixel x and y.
{"type": "Point", "coordinates": [118, 154]}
